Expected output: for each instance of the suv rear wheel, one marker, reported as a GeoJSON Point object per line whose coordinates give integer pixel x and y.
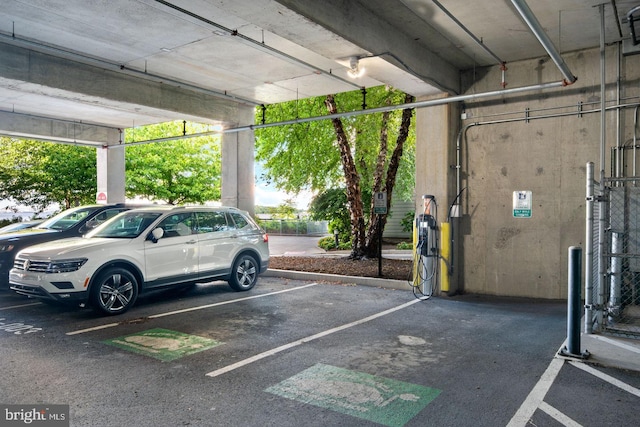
{"type": "Point", "coordinates": [114, 291]}
{"type": "Point", "coordinates": [244, 273]}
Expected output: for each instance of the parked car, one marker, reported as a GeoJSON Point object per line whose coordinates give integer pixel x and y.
{"type": "Point", "coordinates": [15, 226]}
{"type": "Point", "coordinates": [143, 250]}
{"type": "Point", "coordinates": [69, 223]}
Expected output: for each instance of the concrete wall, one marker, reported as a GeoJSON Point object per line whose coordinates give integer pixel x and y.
{"type": "Point", "coordinates": [527, 257]}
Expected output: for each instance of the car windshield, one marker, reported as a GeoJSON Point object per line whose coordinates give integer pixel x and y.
{"type": "Point", "coordinates": [127, 225]}
{"type": "Point", "coordinates": [67, 219]}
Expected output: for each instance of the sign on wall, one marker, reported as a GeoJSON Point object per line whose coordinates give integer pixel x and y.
{"type": "Point", "coordinates": [522, 204]}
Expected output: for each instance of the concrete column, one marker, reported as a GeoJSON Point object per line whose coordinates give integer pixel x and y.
{"type": "Point", "coordinates": [238, 179]}
{"type": "Point", "coordinates": [436, 129]}
{"type": "Point", "coordinates": [111, 171]}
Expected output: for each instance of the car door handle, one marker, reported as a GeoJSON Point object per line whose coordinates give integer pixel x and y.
{"type": "Point", "coordinates": [192, 242]}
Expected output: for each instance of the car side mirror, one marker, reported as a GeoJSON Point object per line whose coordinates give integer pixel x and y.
{"type": "Point", "coordinates": [157, 234]}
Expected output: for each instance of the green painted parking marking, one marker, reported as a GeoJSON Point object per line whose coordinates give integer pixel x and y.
{"type": "Point", "coordinates": [384, 401]}
{"type": "Point", "coordinates": [163, 344]}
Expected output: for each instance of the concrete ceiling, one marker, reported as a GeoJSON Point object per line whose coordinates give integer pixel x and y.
{"type": "Point", "coordinates": [83, 61]}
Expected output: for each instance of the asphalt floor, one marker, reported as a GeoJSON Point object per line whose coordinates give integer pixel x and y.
{"type": "Point", "coordinates": [299, 352]}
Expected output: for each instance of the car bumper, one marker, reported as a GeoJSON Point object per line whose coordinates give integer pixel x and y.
{"type": "Point", "coordinates": [75, 297]}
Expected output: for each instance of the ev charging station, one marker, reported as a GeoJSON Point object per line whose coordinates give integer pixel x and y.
{"type": "Point", "coordinates": [426, 255]}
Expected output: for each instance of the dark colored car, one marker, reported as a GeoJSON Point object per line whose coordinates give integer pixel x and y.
{"type": "Point", "coordinates": [72, 222]}
{"type": "Point", "coordinates": [13, 227]}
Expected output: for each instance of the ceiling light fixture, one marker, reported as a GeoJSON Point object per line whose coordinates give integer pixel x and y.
{"type": "Point", "coordinates": [355, 69]}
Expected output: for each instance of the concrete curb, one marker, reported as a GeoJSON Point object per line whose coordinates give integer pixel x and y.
{"type": "Point", "coordinates": [317, 277]}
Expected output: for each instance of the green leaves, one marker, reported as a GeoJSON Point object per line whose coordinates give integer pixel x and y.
{"type": "Point", "coordinates": [37, 173]}
{"type": "Point", "coordinates": [177, 172]}
{"type": "Point", "coordinates": [304, 156]}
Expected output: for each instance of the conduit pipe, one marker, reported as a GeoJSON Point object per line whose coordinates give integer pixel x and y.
{"type": "Point", "coordinates": [543, 38]}
{"type": "Point", "coordinates": [469, 33]}
{"type": "Point", "coordinates": [464, 130]}
{"type": "Point", "coordinates": [410, 105]}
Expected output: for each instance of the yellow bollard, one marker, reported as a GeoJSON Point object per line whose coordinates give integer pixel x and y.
{"type": "Point", "coordinates": [445, 255]}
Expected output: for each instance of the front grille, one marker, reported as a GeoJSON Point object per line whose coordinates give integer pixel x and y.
{"type": "Point", "coordinates": [31, 265]}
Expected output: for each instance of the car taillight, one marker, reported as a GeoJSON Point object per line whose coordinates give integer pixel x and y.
{"type": "Point", "coordinates": [265, 238]}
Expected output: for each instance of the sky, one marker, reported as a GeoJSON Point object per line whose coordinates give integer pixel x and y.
{"type": "Point", "coordinates": [267, 195]}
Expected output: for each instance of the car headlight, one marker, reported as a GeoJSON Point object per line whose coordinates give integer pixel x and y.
{"type": "Point", "coordinates": [6, 248]}
{"type": "Point", "coordinates": [65, 265]}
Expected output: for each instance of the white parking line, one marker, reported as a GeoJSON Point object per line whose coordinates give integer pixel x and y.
{"type": "Point", "coordinates": [276, 350]}
{"type": "Point", "coordinates": [19, 306]}
{"type": "Point", "coordinates": [559, 416]}
{"type": "Point", "coordinates": [611, 380]}
{"type": "Point", "coordinates": [535, 398]}
{"type": "Point", "coordinates": [186, 310]}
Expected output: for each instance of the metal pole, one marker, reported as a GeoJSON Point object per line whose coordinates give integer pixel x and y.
{"type": "Point", "coordinates": [572, 348]}
{"type": "Point", "coordinates": [379, 247]}
{"type": "Point", "coordinates": [601, 202]}
{"type": "Point", "coordinates": [588, 267]}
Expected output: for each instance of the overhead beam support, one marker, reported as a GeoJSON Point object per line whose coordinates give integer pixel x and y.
{"type": "Point", "coordinates": [68, 80]}
{"type": "Point", "coordinates": [354, 22]}
{"type": "Point", "coordinates": [62, 131]}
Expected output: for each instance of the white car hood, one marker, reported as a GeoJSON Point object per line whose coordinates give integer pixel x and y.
{"type": "Point", "coordinates": [72, 247]}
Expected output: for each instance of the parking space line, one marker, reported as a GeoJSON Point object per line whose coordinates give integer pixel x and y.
{"type": "Point", "coordinates": [296, 343]}
{"type": "Point", "coordinates": [186, 310]}
{"type": "Point", "coordinates": [611, 380]}
{"type": "Point", "coordinates": [559, 416]}
{"type": "Point", "coordinates": [19, 306]}
{"type": "Point", "coordinates": [537, 394]}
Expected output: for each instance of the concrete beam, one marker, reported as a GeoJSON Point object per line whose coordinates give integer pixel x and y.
{"type": "Point", "coordinates": [32, 127]}
{"type": "Point", "coordinates": [354, 22]}
{"type": "Point", "coordinates": [92, 82]}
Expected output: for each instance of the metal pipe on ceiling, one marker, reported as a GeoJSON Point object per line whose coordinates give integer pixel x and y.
{"type": "Point", "coordinates": [417, 104]}
{"type": "Point", "coordinates": [543, 38]}
{"type": "Point", "coordinates": [469, 33]}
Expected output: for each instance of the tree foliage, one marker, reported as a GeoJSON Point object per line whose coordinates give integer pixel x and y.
{"type": "Point", "coordinates": [37, 173]}
{"type": "Point", "coordinates": [179, 171]}
{"type": "Point", "coordinates": [305, 156]}
{"type": "Point", "coordinates": [361, 154]}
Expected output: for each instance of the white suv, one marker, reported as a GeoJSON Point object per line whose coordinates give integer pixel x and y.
{"type": "Point", "coordinates": [141, 250]}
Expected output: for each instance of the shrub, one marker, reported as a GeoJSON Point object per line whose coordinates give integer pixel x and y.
{"type": "Point", "coordinates": [329, 243]}
{"type": "Point", "coordinates": [404, 245]}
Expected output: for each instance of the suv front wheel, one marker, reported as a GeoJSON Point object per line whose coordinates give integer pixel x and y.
{"type": "Point", "coordinates": [244, 273]}
{"type": "Point", "coordinates": [114, 291]}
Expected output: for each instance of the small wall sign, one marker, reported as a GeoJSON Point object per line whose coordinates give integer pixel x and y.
{"type": "Point", "coordinates": [522, 204]}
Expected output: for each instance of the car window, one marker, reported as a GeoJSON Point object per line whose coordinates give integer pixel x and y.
{"type": "Point", "coordinates": [103, 216]}
{"type": "Point", "coordinates": [239, 220]}
{"type": "Point", "coordinates": [128, 225]}
{"type": "Point", "coordinates": [180, 224]}
{"type": "Point", "coordinates": [209, 222]}
{"type": "Point", "coordinates": [68, 218]}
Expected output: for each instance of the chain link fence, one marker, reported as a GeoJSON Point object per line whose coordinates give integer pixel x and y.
{"type": "Point", "coordinates": [295, 227]}
{"type": "Point", "coordinates": [613, 290]}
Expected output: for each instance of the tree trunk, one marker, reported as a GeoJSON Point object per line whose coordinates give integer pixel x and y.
{"type": "Point", "coordinates": [352, 179]}
{"type": "Point", "coordinates": [378, 222]}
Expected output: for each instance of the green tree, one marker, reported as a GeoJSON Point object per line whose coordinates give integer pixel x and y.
{"type": "Point", "coordinates": [179, 171]}
{"type": "Point", "coordinates": [331, 205]}
{"type": "Point", "coordinates": [363, 154]}
{"type": "Point", "coordinates": [37, 173]}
